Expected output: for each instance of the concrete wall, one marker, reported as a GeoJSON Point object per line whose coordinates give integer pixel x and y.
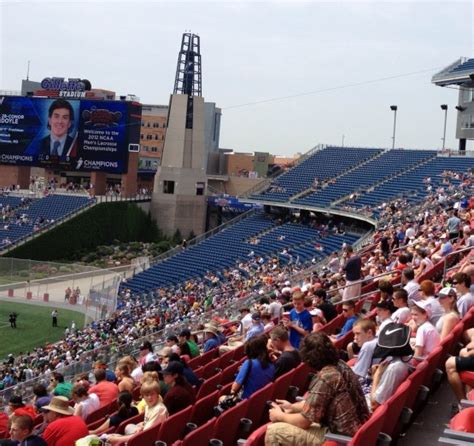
{"type": "Point", "coordinates": [465, 118]}
{"type": "Point", "coordinates": [15, 175]}
{"type": "Point", "coordinates": [239, 185]}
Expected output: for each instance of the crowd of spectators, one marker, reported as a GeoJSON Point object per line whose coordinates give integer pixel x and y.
{"type": "Point", "coordinates": [402, 249]}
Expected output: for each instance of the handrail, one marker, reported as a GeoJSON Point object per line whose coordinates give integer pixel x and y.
{"type": "Point", "coordinates": [445, 262]}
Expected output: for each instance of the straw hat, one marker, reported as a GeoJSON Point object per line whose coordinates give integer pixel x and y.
{"type": "Point", "coordinates": [59, 404]}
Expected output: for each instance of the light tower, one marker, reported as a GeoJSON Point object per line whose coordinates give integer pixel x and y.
{"type": "Point", "coordinates": [179, 193]}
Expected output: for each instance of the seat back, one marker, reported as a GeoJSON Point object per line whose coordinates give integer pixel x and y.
{"type": "Point", "coordinates": [101, 412]}
{"type": "Point", "coordinates": [133, 420]}
{"type": "Point", "coordinates": [203, 409]}
{"type": "Point", "coordinates": [145, 437]}
{"type": "Point", "coordinates": [434, 361]}
{"type": "Point", "coordinates": [226, 359]}
{"type": "Point", "coordinates": [201, 435]}
{"type": "Point", "coordinates": [208, 386]}
{"type": "Point", "coordinates": [416, 379]}
{"type": "Point", "coordinates": [368, 433]}
{"type": "Point", "coordinates": [280, 388]}
{"type": "Point", "coordinates": [227, 425]}
{"type": "Point", "coordinates": [301, 378]}
{"type": "Point", "coordinates": [257, 404]}
{"type": "Point", "coordinates": [172, 429]}
{"type": "Point", "coordinates": [210, 368]}
{"type": "Point", "coordinates": [239, 352]}
{"type": "Point", "coordinates": [395, 405]}
{"type": "Point", "coordinates": [463, 421]}
{"type": "Point", "coordinates": [228, 374]}
{"type": "Point", "coordinates": [258, 437]}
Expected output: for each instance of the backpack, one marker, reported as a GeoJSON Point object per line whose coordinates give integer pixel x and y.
{"type": "Point", "coordinates": [393, 340]}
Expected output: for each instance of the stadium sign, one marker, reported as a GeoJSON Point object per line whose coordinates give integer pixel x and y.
{"type": "Point", "coordinates": [72, 88]}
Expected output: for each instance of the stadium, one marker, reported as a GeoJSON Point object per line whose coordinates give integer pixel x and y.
{"type": "Point", "coordinates": [319, 259]}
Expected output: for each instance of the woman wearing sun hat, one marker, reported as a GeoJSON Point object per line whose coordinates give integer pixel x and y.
{"type": "Point", "coordinates": [63, 428]}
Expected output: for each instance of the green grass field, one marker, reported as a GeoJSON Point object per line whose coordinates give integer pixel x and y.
{"type": "Point", "coordinates": [34, 327]}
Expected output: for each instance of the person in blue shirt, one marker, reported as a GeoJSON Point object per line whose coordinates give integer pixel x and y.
{"type": "Point", "coordinates": [211, 340]}
{"type": "Point", "coordinates": [348, 310]}
{"type": "Point", "coordinates": [257, 371]}
{"type": "Point", "coordinates": [256, 328]}
{"type": "Point", "coordinates": [300, 322]}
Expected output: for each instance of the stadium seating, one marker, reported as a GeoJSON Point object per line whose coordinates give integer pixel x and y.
{"type": "Point", "coordinates": [50, 209]}
{"type": "Point", "coordinates": [324, 164]}
{"type": "Point", "coordinates": [234, 244]}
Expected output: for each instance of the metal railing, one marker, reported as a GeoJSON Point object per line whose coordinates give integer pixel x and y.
{"type": "Point", "coordinates": [446, 267]}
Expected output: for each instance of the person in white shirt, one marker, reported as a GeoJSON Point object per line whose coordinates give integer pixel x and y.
{"type": "Point", "coordinates": [411, 286]}
{"type": "Point", "coordinates": [365, 343]}
{"type": "Point", "coordinates": [275, 307]}
{"type": "Point", "coordinates": [427, 337]}
{"type": "Point", "coordinates": [402, 313]}
{"type": "Point", "coordinates": [427, 288]}
{"type": "Point", "coordinates": [445, 324]}
{"type": "Point", "coordinates": [462, 283]}
{"type": "Point", "coordinates": [384, 311]}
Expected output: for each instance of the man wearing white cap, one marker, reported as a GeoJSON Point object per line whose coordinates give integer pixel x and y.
{"type": "Point", "coordinates": [63, 427]}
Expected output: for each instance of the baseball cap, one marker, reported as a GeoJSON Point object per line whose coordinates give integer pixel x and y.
{"type": "Point", "coordinates": [447, 291]}
{"type": "Point", "coordinates": [174, 367]}
{"type": "Point", "coordinates": [425, 306]}
{"type": "Point", "coordinates": [185, 332]}
{"type": "Point", "coordinates": [256, 316]}
{"type": "Point", "coordinates": [316, 312]}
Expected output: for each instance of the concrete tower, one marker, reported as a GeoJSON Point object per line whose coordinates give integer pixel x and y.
{"type": "Point", "coordinates": [179, 193]}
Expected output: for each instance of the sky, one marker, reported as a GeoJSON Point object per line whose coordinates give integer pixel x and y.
{"type": "Point", "coordinates": [288, 75]}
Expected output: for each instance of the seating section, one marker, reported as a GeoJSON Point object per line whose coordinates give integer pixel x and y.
{"type": "Point", "coordinates": [323, 164]}
{"type": "Point", "coordinates": [256, 235]}
{"type": "Point", "coordinates": [33, 214]}
{"type": "Point", "coordinates": [411, 183]}
{"type": "Point", "coordinates": [386, 165]}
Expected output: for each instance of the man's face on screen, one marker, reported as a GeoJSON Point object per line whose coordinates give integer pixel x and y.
{"type": "Point", "coordinates": [60, 122]}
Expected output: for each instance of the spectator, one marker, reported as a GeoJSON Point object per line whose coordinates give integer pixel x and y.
{"type": "Point", "coordinates": [321, 301]}
{"type": "Point", "coordinates": [211, 342]}
{"type": "Point", "coordinates": [256, 327]}
{"type": "Point", "coordinates": [105, 390]}
{"type": "Point", "coordinates": [450, 317]}
{"type": "Point", "coordinates": [348, 310]}
{"type": "Point", "coordinates": [125, 411]}
{"type": "Point", "coordinates": [427, 338]}
{"type": "Point", "coordinates": [155, 412]}
{"type": "Point", "coordinates": [427, 288]}
{"type": "Point", "coordinates": [63, 427]}
{"type": "Point", "coordinates": [410, 285]}
{"type": "Point", "coordinates": [257, 371]}
{"type": "Point", "coordinates": [60, 388]}
{"type": "Point", "coordinates": [41, 396]}
{"type": "Point", "coordinates": [188, 373]}
{"type": "Point", "coordinates": [462, 283]}
{"type": "Point", "coordinates": [185, 337]}
{"type": "Point", "coordinates": [363, 346]}
{"type": "Point", "coordinates": [352, 268]}
{"type": "Point", "coordinates": [386, 290]}
{"type": "Point", "coordinates": [384, 312]}
{"type": "Point", "coordinates": [299, 323]}
{"type": "Point", "coordinates": [334, 401]}
{"type": "Point", "coordinates": [124, 379]}
{"type": "Point", "coordinates": [267, 322]}
{"type": "Point", "coordinates": [392, 369]}
{"type": "Point", "coordinates": [275, 307]}
{"type": "Point", "coordinates": [425, 262]}
{"type": "Point", "coordinates": [285, 356]}
{"type": "Point", "coordinates": [457, 364]}
{"type": "Point", "coordinates": [85, 403]}
{"type": "Point", "coordinates": [109, 374]}
{"type": "Point", "coordinates": [21, 432]}
{"type": "Point", "coordinates": [318, 320]}
{"type": "Point", "coordinates": [400, 301]}
{"type": "Point", "coordinates": [453, 225]}
{"type": "Point", "coordinates": [155, 367]}
{"type": "Point", "coordinates": [146, 353]}
{"type": "Point", "coordinates": [181, 394]}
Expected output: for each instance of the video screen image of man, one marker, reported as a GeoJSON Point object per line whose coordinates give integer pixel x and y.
{"type": "Point", "coordinates": [59, 144]}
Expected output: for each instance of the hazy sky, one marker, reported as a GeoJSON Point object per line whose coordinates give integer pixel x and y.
{"type": "Point", "coordinates": [300, 52]}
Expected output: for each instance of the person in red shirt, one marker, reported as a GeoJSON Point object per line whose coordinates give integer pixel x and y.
{"type": "Point", "coordinates": [63, 428]}
{"type": "Point", "coordinates": [106, 391]}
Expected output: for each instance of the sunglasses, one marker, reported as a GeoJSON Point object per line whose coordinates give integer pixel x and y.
{"type": "Point", "coordinates": [455, 283]}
